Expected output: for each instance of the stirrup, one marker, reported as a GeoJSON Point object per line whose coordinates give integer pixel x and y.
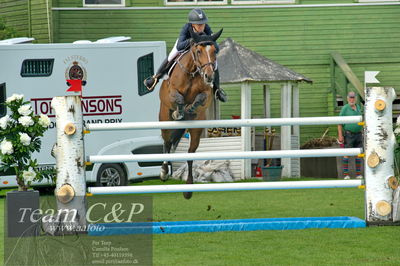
{"type": "Point", "coordinates": [154, 83]}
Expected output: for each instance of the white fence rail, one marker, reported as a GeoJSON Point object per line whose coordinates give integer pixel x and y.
{"type": "Point", "coordinates": [261, 122]}
{"type": "Point", "coordinates": [224, 155]}
{"type": "Point", "coordinates": [225, 187]}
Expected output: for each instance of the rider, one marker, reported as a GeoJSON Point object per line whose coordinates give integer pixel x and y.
{"type": "Point", "coordinates": [197, 20]}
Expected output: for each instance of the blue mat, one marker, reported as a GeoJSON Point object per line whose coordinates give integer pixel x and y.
{"type": "Point", "coordinates": [225, 225]}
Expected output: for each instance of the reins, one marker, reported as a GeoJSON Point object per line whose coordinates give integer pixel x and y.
{"type": "Point", "coordinates": [192, 74]}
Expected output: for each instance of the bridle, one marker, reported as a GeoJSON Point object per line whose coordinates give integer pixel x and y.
{"type": "Point", "coordinates": [199, 67]}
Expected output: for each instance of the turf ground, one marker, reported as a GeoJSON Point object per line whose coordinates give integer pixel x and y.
{"type": "Point", "coordinates": [363, 246]}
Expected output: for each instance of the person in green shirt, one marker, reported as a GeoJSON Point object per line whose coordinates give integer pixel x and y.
{"type": "Point", "coordinates": [351, 134]}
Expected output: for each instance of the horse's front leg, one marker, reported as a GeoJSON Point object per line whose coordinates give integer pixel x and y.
{"type": "Point", "coordinates": [199, 100]}
{"type": "Point", "coordinates": [179, 100]}
{"type": "Point", "coordinates": [195, 134]}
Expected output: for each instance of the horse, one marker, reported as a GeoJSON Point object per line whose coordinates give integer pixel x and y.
{"type": "Point", "coordinates": [187, 94]}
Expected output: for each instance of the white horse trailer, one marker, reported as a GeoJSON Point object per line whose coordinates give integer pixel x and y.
{"type": "Point", "coordinates": [112, 74]}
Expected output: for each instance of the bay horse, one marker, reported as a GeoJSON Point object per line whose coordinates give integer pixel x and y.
{"type": "Point", "coordinates": [187, 94]}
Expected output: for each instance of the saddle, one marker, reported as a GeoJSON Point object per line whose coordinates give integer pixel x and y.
{"type": "Point", "coordinates": [175, 62]}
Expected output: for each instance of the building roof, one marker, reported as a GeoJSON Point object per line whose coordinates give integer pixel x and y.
{"type": "Point", "coordinates": [238, 64]}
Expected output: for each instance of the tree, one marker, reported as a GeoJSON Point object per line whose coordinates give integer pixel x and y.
{"type": "Point", "coordinates": [6, 32]}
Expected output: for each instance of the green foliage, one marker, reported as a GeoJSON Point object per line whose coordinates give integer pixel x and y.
{"type": "Point", "coordinates": [6, 32]}
{"type": "Point", "coordinates": [19, 137]}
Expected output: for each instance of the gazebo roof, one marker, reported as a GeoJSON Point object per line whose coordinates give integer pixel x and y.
{"type": "Point", "coordinates": [238, 64]}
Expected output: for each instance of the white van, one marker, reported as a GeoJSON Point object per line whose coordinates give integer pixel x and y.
{"type": "Point", "coordinates": [112, 74]}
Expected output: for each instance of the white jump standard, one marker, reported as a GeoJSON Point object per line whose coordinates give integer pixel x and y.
{"type": "Point", "coordinates": [380, 198]}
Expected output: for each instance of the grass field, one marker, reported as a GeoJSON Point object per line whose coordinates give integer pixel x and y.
{"type": "Point", "coordinates": [364, 246]}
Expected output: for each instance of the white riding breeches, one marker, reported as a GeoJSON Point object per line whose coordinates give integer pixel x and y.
{"type": "Point", "coordinates": [174, 52]}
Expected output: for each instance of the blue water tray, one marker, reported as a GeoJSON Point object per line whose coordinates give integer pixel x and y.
{"type": "Point", "coordinates": [225, 225]}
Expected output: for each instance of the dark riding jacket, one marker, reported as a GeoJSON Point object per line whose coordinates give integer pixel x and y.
{"type": "Point", "coordinates": [184, 37]}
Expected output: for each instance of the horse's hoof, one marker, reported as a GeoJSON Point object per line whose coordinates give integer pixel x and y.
{"type": "Point", "coordinates": [187, 195]}
{"type": "Point", "coordinates": [164, 176]}
{"type": "Point", "coordinates": [177, 115]}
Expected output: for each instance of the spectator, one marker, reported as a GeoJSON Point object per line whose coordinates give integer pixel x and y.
{"type": "Point", "coordinates": [351, 134]}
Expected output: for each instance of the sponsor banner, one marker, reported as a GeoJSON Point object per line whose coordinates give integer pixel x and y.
{"type": "Point", "coordinates": [91, 105]}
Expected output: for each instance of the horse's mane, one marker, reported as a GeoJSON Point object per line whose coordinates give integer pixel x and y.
{"type": "Point", "coordinates": [209, 42]}
{"type": "Point", "coordinates": [204, 39]}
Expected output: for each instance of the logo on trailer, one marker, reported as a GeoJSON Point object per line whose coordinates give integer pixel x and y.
{"type": "Point", "coordinates": [75, 69]}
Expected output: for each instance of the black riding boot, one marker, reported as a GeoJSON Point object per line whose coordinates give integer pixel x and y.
{"type": "Point", "coordinates": [151, 82]}
{"type": "Point", "coordinates": [219, 93]}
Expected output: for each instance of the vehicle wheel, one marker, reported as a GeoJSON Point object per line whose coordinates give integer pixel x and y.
{"type": "Point", "coordinates": [110, 175]}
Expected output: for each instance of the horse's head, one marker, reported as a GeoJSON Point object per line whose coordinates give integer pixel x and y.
{"type": "Point", "coordinates": [204, 55]}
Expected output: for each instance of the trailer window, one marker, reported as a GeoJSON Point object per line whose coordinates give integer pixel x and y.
{"type": "Point", "coordinates": [37, 68]}
{"type": "Point", "coordinates": [196, 2]}
{"type": "Point", "coordinates": [145, 68]}
{"type": "Point", "coordinates": [3, 109]}
{"type": "Point", "coordinates": [103, 2]}
{"type": "Point", "coordinates": [152, 149]}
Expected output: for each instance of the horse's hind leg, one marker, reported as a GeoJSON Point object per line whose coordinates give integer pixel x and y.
{"type": "Point", "coordinates": [179, 113]}
{"type": "Point", "coordinates": [189, 180]}
{"type": "Point", "coordinates": [164, 169]}
{"type": "Point", "coordinates": [195, 134]}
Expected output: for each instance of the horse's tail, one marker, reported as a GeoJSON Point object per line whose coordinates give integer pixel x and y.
{"type": "Point", "coordinates": [176, 136]}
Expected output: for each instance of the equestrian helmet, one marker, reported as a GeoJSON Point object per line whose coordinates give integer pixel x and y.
{"type": "Point", "coordinates": [197, 16]}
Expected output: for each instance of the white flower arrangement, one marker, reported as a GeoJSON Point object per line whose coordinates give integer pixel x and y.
{"type": "Point", "coordinates": [25, 109]}
{"type": "Point", "coordinates": [29, 175]}
{"type": "Point", "coordinates": [44, 120]}
{"type": "Point", "coordinates": [4, 121]}
{"type": "Point", "coordinates": [6, 147]}
{"type": "Point", "coordinates": [14, 97]}
{"type": "Point", "coordinates": [26, 121]}
{"type": "Point", "coordinates": [19, 137]}
{"type": "Point", "coordinates": [25, 139]}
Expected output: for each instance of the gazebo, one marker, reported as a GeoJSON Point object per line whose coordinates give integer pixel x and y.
{"type": "Point", "coordinates": [239, 65]}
